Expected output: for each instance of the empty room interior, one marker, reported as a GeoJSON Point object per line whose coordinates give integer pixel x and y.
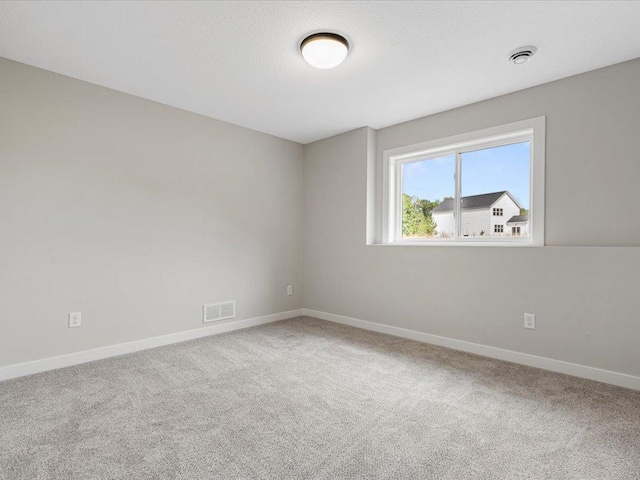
{"type": "Point", "coordinates": [320, 240]}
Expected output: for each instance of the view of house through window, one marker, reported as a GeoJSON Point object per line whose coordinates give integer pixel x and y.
{"type": "Point", "coordinates": [495, 178]}
{"type": "Point", "coordinates": [494, 194]}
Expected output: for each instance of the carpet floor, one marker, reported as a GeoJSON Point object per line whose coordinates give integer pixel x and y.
{"type": "Point", "coordinates": [308, 399]}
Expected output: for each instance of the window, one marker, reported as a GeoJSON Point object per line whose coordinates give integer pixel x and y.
{"type": "Point", "coordinates": [452, 191]}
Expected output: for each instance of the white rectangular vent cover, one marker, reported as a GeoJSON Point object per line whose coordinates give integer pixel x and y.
{"type": "Point", "coordinates": [218, 311]}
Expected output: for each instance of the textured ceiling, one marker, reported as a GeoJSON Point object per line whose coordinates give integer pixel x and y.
{"type": "Point", "coordinates": [239, 61]}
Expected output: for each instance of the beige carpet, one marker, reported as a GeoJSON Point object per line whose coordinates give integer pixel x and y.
{"type": "Point", "coordinates": [305, 398]}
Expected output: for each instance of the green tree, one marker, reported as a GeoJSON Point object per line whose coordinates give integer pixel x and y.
{"type": "Point", "coordinates": [426, 206]}
{"type": "Point", "coordinates": [417, 220]}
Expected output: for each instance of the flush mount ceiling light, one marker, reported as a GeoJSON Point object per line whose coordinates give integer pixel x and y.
{"type": "Point", "coordinates": [522, 55]}
{"type": "Point", "coordinates": [324, 50]}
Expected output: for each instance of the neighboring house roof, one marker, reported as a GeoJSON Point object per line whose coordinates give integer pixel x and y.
{"type": "Point", "coordinates": [474, 201]}
{"type": "Point", "coordinates": [518, 219]}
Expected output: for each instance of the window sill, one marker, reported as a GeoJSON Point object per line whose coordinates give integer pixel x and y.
{"type": "Point", "coordinates": [459, 243]}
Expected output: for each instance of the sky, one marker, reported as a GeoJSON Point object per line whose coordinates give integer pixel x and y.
{"type": "Point", "coordinates": [483, 171]}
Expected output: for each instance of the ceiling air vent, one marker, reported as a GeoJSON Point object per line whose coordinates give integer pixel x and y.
{"type": "Point", "coordinates": [522, 55]}
{"type": "Point", "coordinates": [218, 311]}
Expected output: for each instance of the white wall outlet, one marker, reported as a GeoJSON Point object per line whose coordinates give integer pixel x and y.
{"type": "Point", "coordinates": [530, 320]}
{"type": "Point", "coordinates": [75, 319]}
{"type": "Point", "coordinates": [289, 290]}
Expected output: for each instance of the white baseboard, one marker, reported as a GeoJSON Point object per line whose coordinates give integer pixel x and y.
{"type": "Point", "coordinates": [61, 361]}
{"type": "Point", "coordinates": [574, 369]}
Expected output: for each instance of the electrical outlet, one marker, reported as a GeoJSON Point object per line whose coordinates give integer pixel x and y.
{"type": "Point", "coordinates": [75, 319]}
{"type": "Point", "coordinates": [289, 290]}
{"type": "Point", "coordinates": [530, 321]}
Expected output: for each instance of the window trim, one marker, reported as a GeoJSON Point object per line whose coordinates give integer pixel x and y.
{"type": "Point", "coordinates": [532, 130]}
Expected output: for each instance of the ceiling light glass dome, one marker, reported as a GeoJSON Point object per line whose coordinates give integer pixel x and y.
{"type": "Point", "coordinates": [324, 50]}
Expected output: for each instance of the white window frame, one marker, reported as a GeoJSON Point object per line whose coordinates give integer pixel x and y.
{"type": "Point", "coordinates": [531, 130]}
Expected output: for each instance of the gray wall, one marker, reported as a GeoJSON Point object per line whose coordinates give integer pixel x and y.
{"type": "Point", "coordinates": [584, 287]}
{"type": "Point", "coordinates": [135, 214]}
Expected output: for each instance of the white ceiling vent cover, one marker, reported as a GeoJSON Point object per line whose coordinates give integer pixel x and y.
{"type": "Point", "coordinates": [218, 311]}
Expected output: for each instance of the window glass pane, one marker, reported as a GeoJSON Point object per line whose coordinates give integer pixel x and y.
{"type": "Point", "coordinates": [495, 178]}
{"type": "Point", "coordinates": [428, 188]}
